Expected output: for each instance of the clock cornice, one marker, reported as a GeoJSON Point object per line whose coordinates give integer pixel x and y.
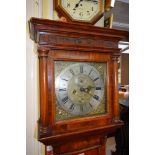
{"type": "Point", "coordinates": [54, 35]}
{"type": "Point", "coordinates": [37, 25]}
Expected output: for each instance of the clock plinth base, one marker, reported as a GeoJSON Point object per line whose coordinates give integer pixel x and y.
{"type": "Point", "coordinates": [93, 145]}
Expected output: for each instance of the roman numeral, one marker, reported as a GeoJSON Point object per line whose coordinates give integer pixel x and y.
{"type": "Point", "coordinates": [72, 71]}
{"type": "Point", "coordinates": [98, 88]}
{"type": "Point", "coordinates": [68, 5]}
{"type": "Point", "coordinates": [90, 71]}
{"type": "Point", "coordinates": [81, 69]}
{"type": "Point", "coordinates": [96, 97]}
{"type": "Point", "coordinates": [64, 100]}
{"type": "Point", "coordinates": [96, 2]}
{"type": "Point", "coordinates": [62, 89]}
{"type": "Point", "coordinates": [64, 79]}
{"type": "Point", "coordinates": [96, 79]}
{"type": "Point", "coordinates": [90, 105]}
{"type": "Point", "coordinates": [81, 108]}
{"type": "Point", "coordinates": [72, 107]}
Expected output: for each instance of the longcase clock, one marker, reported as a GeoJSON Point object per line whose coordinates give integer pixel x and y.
{"type": "Point", "coordinates": [78, 74]}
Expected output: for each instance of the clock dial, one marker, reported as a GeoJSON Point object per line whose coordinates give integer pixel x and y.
{"type": "Point", "coordinates": [80, 88]}
{"type": "Point", "coordinates": [83, 10]}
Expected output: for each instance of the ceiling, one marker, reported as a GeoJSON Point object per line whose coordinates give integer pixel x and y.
{"type": "Point", "coordinates": [120, 15]}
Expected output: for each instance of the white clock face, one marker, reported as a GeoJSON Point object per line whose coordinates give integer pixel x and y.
{"type": "Point", "coordinates": [83, 10]}
{"type": "Point", "coordinates": [79, 89]}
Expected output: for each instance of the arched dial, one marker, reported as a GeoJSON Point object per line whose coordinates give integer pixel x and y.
{"type": "Point", "coordinates": [81, 9]}
{"type": "Point", "coordinates": [79, 89]}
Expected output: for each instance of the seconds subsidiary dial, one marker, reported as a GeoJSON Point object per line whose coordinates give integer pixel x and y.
{"type": "Point", "coordinates": [79, 89]}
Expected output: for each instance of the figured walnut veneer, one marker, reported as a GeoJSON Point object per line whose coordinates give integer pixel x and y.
{"type": "Point", "coordinates": [76, 42]}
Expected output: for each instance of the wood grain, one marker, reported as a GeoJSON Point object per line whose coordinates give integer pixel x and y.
{"type": "Point", "coordinates": [81, 43]}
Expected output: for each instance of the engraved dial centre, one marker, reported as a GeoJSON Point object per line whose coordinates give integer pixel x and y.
{"type": "Point", "coordinates": [80, 89]}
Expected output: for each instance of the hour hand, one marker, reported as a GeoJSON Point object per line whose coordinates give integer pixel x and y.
{"type": "Point", "coordinates": [90, 87]}
{"type": "Point", "coordinates": [83, 89]}
{"type": "Point", "coordinates": [77, 4]}
{"type": "Point", "coordinates": [87, 89]}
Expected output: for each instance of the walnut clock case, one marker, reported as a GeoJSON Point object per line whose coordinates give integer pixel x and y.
{"type": "Point", "coordinates": [78, 74]}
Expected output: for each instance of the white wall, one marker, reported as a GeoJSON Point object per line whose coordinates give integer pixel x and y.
{"type": "Point", "coordinates": [33, 147]}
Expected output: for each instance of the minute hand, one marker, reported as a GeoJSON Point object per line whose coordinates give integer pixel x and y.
{"type": "Point", "coordinates": [77, 4]}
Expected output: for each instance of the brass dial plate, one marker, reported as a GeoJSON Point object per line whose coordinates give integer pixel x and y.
{"type": "Point", "coordinates": [80, 89]}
